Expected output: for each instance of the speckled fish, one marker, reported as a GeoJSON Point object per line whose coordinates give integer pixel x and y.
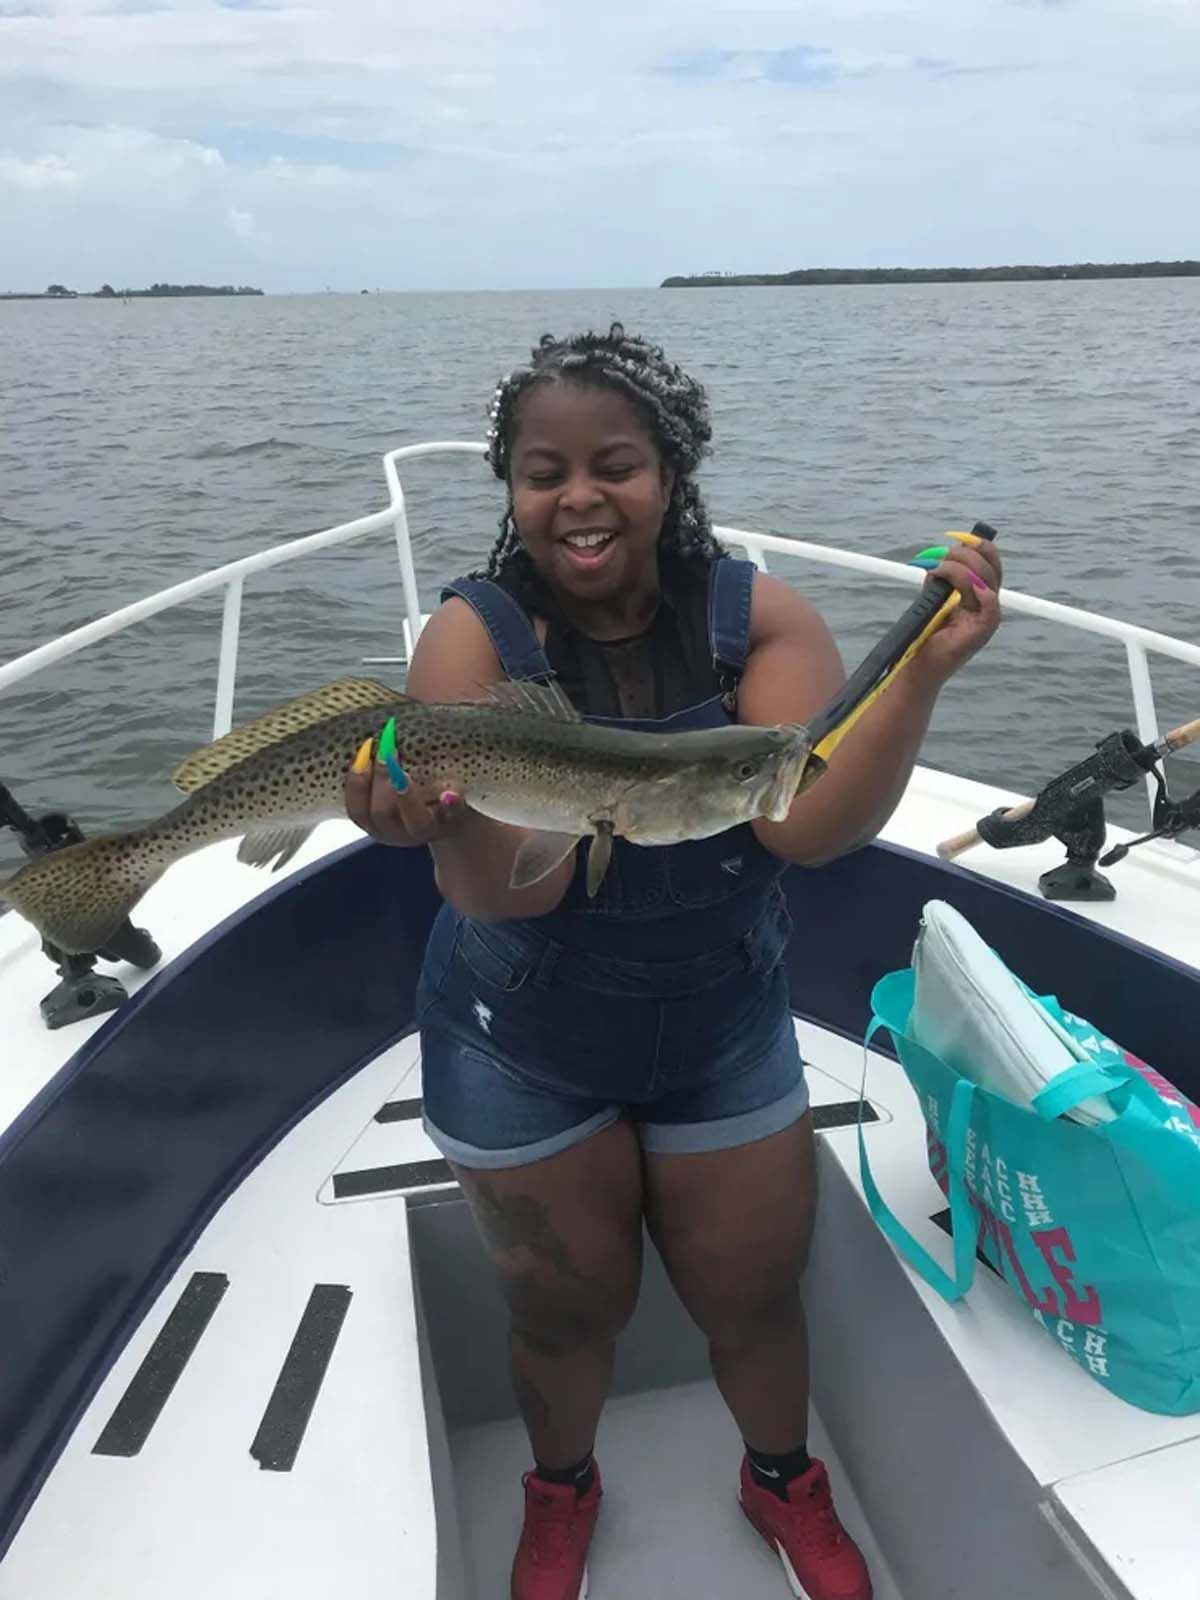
{"type": "Point", "coordinates": [523, 755]}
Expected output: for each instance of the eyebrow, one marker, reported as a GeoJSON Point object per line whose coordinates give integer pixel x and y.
{"type": "Point", "coordinates": [556, 455]}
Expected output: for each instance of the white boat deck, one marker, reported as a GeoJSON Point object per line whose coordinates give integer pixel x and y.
{"type": "Point", "coordinates": [326, 1208]}
{"type": "Point", "coordinates": [358, 1499]}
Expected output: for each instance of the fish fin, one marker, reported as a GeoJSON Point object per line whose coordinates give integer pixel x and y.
{"type": "Point", "coordinates": [78, 897]}
{"type": "Point", "coordinates": [305, 711]}
{"type": "Point", "coordinates": [537, 699]}
{"type": "Point", "coordinates": [599, 856]}
{"type": "Point", "coordinates": [273, 847]}
{"type": "Point", "coordinates": [538, 856]}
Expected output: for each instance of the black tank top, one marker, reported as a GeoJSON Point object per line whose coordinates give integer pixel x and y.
{"type": "Point", "coordinates": [652, 674]}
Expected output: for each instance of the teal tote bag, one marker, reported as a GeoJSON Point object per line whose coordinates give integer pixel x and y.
{"type": "Point", "coordinates": [1096, 1227]}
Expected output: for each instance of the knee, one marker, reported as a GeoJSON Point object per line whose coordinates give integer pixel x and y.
{"type": "Point", "coordinates": [554, 1319]}
{"type": "Point", "coordinates": [735, 1315]}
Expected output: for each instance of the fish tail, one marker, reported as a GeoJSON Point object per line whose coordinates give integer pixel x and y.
{"type": "Point", "coordinates": [79, 896]}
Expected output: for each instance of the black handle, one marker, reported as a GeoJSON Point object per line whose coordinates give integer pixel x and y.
{"type": "Point", "coordinates": [888, 651]}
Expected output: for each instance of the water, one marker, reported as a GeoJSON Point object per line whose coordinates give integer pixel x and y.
{"type": "Point", "coordinates": [141, 444]}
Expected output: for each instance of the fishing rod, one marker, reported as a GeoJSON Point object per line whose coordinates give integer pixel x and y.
{"type": "Point", "coordinates": [1071, 808]}
{"type": "Point", "coordinates": [907, 635]}
{"type": "Point", "coordinates": [83, 992]}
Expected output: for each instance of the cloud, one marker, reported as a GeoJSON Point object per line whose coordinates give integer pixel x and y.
{"type": "Point", "coordinates": [531, 144]}
{"type": "Point", "coordinates": [941, 67]}
{"type": "Point", "coordinates": [243, 223]}
{"type": "Point", "coordinates": [250, 146]}
{"type": "Point", "coordinates": [709, 63]}
{"type": "Point", "coordinates": [802, 63]}
{"type": "Point", "coordinates": [798, 64]}
{"type": "Point", "coordinates": [318, 176]}
{"type": "Point", "coordinates": [43, 172]}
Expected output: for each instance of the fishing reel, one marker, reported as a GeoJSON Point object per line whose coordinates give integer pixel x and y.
{"type": "Point", "coordinates": [1169, 820]}
{"type": "Point", "coordinates": [82, 992]}
{"type": "Point", "coordinates": [1070, 808]}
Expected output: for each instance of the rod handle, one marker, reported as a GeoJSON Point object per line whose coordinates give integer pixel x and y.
{"type": "Point", "coordinates": [950, 849]}
{"type": "Point", "coordinates": [1179, 738]}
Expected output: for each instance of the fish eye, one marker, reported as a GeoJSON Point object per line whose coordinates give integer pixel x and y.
{"type": "Point", "coordinates": [746, 769]}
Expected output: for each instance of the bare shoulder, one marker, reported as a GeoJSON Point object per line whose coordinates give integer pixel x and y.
{"type": "Point", "coordinates": [454, 655]}
{"type": "Point", "coordinates": [794, 665]}
{"type": "Point", "coordinates": [779, 612]}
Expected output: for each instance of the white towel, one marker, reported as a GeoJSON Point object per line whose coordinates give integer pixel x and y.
{"type": "Point", "coordinates": [977, 1017]}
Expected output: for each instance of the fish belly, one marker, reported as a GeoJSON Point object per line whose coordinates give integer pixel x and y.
{"type": "Point", "coordinates": [548, 814]}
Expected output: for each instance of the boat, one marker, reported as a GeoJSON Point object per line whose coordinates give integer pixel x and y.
{"type": "Point", "coordinates": [250, 1344]}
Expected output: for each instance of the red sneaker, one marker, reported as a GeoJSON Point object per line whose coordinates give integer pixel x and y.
{"type": "Point", "coordinates": [551, 1558]}
{"type": "Point", "coordinates": [820, 1559]}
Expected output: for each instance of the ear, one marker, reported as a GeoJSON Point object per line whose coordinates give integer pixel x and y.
{"type": "Point", "coordinates": [666, 474]}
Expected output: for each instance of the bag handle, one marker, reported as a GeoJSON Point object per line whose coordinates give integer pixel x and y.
{"type": "Point", "coordinates": [964, 1222]}
{"type": "Point", "coordinates": [1072, 1085]}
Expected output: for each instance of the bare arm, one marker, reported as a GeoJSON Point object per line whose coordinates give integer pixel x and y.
{"type": "Point", "coordinates": [794, 669]}
{"type": "Point", "coordinates": [472, 854]}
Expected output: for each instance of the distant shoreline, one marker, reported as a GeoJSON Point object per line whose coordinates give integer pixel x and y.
{"type": "Point", "coordinates": [156, 291]}
{"type": "Point", "coordinates": [815, 276]}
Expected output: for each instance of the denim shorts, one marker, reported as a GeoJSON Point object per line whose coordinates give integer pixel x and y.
{"type": "Point", "coordinates": [529, 1046]}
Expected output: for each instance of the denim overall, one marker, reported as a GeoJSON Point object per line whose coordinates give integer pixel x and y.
{"type": "Point", "coordinates": [662, 999]}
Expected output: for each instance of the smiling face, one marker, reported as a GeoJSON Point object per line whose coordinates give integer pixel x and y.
{"type": "Point", "coordinates": [589, 489]}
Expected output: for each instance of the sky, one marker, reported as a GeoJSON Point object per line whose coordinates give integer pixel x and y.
{"type": "Point", "coordinates": [458, 144]}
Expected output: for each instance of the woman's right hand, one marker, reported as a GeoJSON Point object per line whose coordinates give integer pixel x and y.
{"type": "Point", "coordinates": [394, 818]}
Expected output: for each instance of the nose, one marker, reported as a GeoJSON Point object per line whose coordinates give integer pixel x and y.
{"type": "Point", "coordinates": [580, 492]}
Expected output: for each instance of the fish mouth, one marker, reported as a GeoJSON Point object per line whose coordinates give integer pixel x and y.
{"type": "Point", "coordinates": [792, 776]}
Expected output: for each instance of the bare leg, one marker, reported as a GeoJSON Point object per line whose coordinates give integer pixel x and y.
{"type": "Point", "coordinates": [733, 1228]}
{"type": "Point", "coordinates": [565, 1235]}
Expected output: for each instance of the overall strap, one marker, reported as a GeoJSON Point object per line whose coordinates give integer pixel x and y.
{"type": "Point", "coordinates": [730, 584]}
{"type": "Point", "coordinates": [509, 629]}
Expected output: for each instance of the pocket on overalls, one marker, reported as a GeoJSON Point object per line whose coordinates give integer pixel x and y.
{"type": "Point", "coordinates": [439, 953]}
{"type": "Point", "coordinates": [500, 963]}
{"type": "Point", "coordinates": [767, 941]}
{"type": "Point", "coordinates": [634, 886]}
{"type": "Point", "coordinates": [729, 1028]}
{"type": "Point", "coordinates": [705, 872]}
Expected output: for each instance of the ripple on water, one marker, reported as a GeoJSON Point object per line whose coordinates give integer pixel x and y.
{"type": "Point", "coordinates": [138, 453]}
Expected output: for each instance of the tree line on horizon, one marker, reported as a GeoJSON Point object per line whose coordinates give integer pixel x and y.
{"type": "Point", "coordinates": [1010, 274]}
{"type": "Point", "coordinates": [59, 291]}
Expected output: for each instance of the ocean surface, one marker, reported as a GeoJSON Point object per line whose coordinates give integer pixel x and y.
{"type": "Point", "coordinates": [143, 443]}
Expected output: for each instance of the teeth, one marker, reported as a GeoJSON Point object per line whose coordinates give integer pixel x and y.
{"type": "Point", "coordinates": [586, 541]}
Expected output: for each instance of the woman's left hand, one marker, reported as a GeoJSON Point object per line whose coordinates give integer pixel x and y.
{"type": "Point", "coordinates": [976, 572]}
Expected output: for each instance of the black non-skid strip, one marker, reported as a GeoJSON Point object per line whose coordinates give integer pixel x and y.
{"type": "Point", "coordinates": [138, 1409]}
{"type": "Point", "coordinates": [942, 1220]}
{"type": "Point", "coordinates": [842, 1114]}
{"type": "Point", "coordinates": [281, 1431]}
{"type": "Point", "coordinates": [399, 1111]}
{"type": "Point", "coordinates": [383, 1180]}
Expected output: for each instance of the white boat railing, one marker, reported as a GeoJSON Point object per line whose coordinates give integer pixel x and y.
{"type": "Point", "coordinates": [1139, 643]}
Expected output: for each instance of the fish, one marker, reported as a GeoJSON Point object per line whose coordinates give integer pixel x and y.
{"type": "Point", "coordinates": [521, 754]}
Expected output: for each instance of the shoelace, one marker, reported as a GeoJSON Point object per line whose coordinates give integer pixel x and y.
{"type": "Point", "coordinates": [551, 1531]}
{"type": "Point", "coordinates": [821, 1531]}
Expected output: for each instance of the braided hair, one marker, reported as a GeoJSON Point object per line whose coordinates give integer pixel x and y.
{"type": "Point", "coordinates": [672, 405]}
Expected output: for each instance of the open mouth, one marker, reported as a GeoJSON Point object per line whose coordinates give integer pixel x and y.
{"type": "Point", "coordinates": [588, 548]}
{"type": "Point", "coordinates": [799, 769]}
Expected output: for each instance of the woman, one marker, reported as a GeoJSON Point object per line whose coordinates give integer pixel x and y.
{"type": "Point", "coordinates": [591, 1065]}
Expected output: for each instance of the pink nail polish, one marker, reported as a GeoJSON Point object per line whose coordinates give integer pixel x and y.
{"type": "Point", "coordinates": [448, 798]}
{"type": "Point", "coordinates": [978, 581]}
